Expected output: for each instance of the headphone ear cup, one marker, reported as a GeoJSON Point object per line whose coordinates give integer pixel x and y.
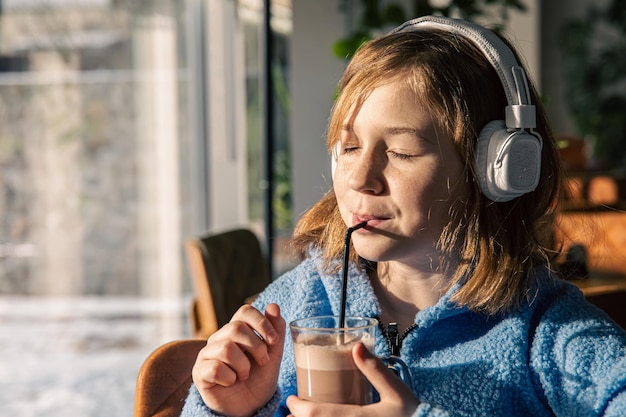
{"type": "Point", "coordinates": [508, 164]}
{"type": "Point", "coordinates": [482, 153]}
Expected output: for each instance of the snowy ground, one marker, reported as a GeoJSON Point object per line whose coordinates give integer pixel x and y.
{"type": "Point", "coordinates": [79, 357]}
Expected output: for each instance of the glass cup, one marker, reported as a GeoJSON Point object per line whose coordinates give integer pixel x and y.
{"type": "Point", "coordinates": [325, 370]}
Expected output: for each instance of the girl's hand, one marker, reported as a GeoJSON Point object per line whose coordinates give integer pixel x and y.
{"type": "Point", "coordinates": [396, 399]}
{"type": "Point", "coordinates": [236, 372]}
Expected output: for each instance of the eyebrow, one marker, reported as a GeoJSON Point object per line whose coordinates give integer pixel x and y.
{"type": "Point", "coordinates": [390, 130]}
{"type": "Point", "coordinates": [401, 131]}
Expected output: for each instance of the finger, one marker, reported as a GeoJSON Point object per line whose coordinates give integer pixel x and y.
{"type": "Point", "coordinates": [303, 408]}
{"type": "Point", "coordinates": [258, 321]}
{"type": "Point", "coordinates": [235, 344]}
{"type": "Point", "coordinates": [277, 333]}
{"type": "Point", "coordinates": [230, 353]}
{"type": "Point", "coordinates": [248, 342]}
{"type": "Point", "coordinates": [210, 373]}
{"type": "Point", "coordinates": [296, 406]}
{"type": "Point", "coordinates": [387, 383]}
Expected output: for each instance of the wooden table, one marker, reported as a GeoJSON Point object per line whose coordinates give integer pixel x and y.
{"type": "Point", "coordinates": [602, 283]}
{"type": "Point", "coordinates": [608, 292]}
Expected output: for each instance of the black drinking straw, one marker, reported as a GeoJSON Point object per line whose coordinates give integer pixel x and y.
{"type": "Point", "coordinates": [344, 283]}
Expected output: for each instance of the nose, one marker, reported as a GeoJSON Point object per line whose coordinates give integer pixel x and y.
{"type": "Point", "coordinates": [366, 173]}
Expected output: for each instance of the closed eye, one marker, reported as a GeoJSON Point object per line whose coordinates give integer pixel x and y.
{"type": "Point", "coordinates": [401, 156]}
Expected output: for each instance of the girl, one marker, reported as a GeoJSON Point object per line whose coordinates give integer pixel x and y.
{"type": "Point", "coordinates": [455, 255]}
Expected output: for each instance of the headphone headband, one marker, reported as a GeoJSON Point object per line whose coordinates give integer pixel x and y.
{"type": "Point", "coordinates": [508, 152]}
{"type": "Point", "coordinates": [520, 113]}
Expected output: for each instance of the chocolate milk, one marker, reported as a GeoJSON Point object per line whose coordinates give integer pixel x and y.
{"type": "Point", "coordinates": [325, 371]}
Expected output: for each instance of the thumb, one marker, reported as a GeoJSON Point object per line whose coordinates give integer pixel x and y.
{"type": "Point", "coordinates": [387, 383]}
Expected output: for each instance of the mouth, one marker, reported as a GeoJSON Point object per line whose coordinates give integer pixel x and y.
{"type": "Point", "coordinates": [372, 220]}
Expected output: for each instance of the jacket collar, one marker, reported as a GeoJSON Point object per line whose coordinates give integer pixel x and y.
{"type": "Point", "coordinates": [361, 300]}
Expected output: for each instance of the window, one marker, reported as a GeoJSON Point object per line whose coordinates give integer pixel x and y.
{"type": "Point", "coordinates": [117, 126]}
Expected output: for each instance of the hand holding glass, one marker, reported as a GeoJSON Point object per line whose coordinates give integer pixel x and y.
{"type": "Point", "coordinates": [325, 370]}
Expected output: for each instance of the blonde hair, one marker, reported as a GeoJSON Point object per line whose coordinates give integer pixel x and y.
{"type": "Point", "coordinates": [499, 243]}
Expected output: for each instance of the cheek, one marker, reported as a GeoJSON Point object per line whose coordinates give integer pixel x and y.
{"type": "Point", "coordinates": [446, 180]}
{"type": "Point", "coordinates": [429, 199]}
{"type": "Point", "coordinates": [341, 185]}
{"type": "Point", "coordinates": [340, 190]}
{"type": "Point", "coordinates": [417, 188]}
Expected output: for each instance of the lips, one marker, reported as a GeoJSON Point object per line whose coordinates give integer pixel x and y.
{"type": "Point", "coordinates": [372, 220]}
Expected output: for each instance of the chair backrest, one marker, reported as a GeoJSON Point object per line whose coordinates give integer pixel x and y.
{"type": "Point", "coordinates": [602, 235]}
{"type": "Point", "coordinates": [226, 269]}
{"type": "Point", "coordinates": [612, 302]}
{"type": "Point", "coordinates": [595, 246]}
{"type": "Point", "coordinates": [165, 377]}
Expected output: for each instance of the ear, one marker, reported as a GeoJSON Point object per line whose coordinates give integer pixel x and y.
{"type": "Point", "coordinates": [333, 159]}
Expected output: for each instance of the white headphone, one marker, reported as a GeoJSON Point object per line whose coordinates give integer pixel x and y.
{"type": "Point", "coordinates": [508, 157]}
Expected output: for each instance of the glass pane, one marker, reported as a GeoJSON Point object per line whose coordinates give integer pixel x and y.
{"type": "Point", "coordinates": [283, 226]}
{"type": "Point", "coordinates": [250, 14]}
{"type": "Point", "coordinates": [94, 157]}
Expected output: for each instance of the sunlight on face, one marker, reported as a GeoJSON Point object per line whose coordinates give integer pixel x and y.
{"type": "Point", "coordinates": [397, 169]}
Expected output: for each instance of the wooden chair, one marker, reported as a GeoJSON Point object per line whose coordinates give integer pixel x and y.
{"type": "Point", "coordinates": [602, 234]}
{"type": "Point", "coordinates": [597, 239]}
{"type": "Point", "coordinates": [165, 377]}
{"type": "Point", "coordinates": [227, 270]}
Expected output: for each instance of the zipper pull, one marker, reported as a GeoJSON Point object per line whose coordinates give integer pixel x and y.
{"type": "Point", "coordinates": [394, 339]}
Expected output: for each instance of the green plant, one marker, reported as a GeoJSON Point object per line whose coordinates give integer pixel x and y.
{"type": "Point", "coordinates": [595, 75]}
{"type": "Point", "coordinates": [378, 15]}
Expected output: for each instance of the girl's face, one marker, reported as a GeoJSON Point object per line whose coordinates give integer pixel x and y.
{"type": "Point", "coordinates": [401, 172]}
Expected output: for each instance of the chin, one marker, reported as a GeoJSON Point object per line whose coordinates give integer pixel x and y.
{"type": "Point", "coordinates": [370, 253]}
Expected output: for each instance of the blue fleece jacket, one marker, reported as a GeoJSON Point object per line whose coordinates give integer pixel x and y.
{"type": "Point", "coordinates": [556, 356]}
